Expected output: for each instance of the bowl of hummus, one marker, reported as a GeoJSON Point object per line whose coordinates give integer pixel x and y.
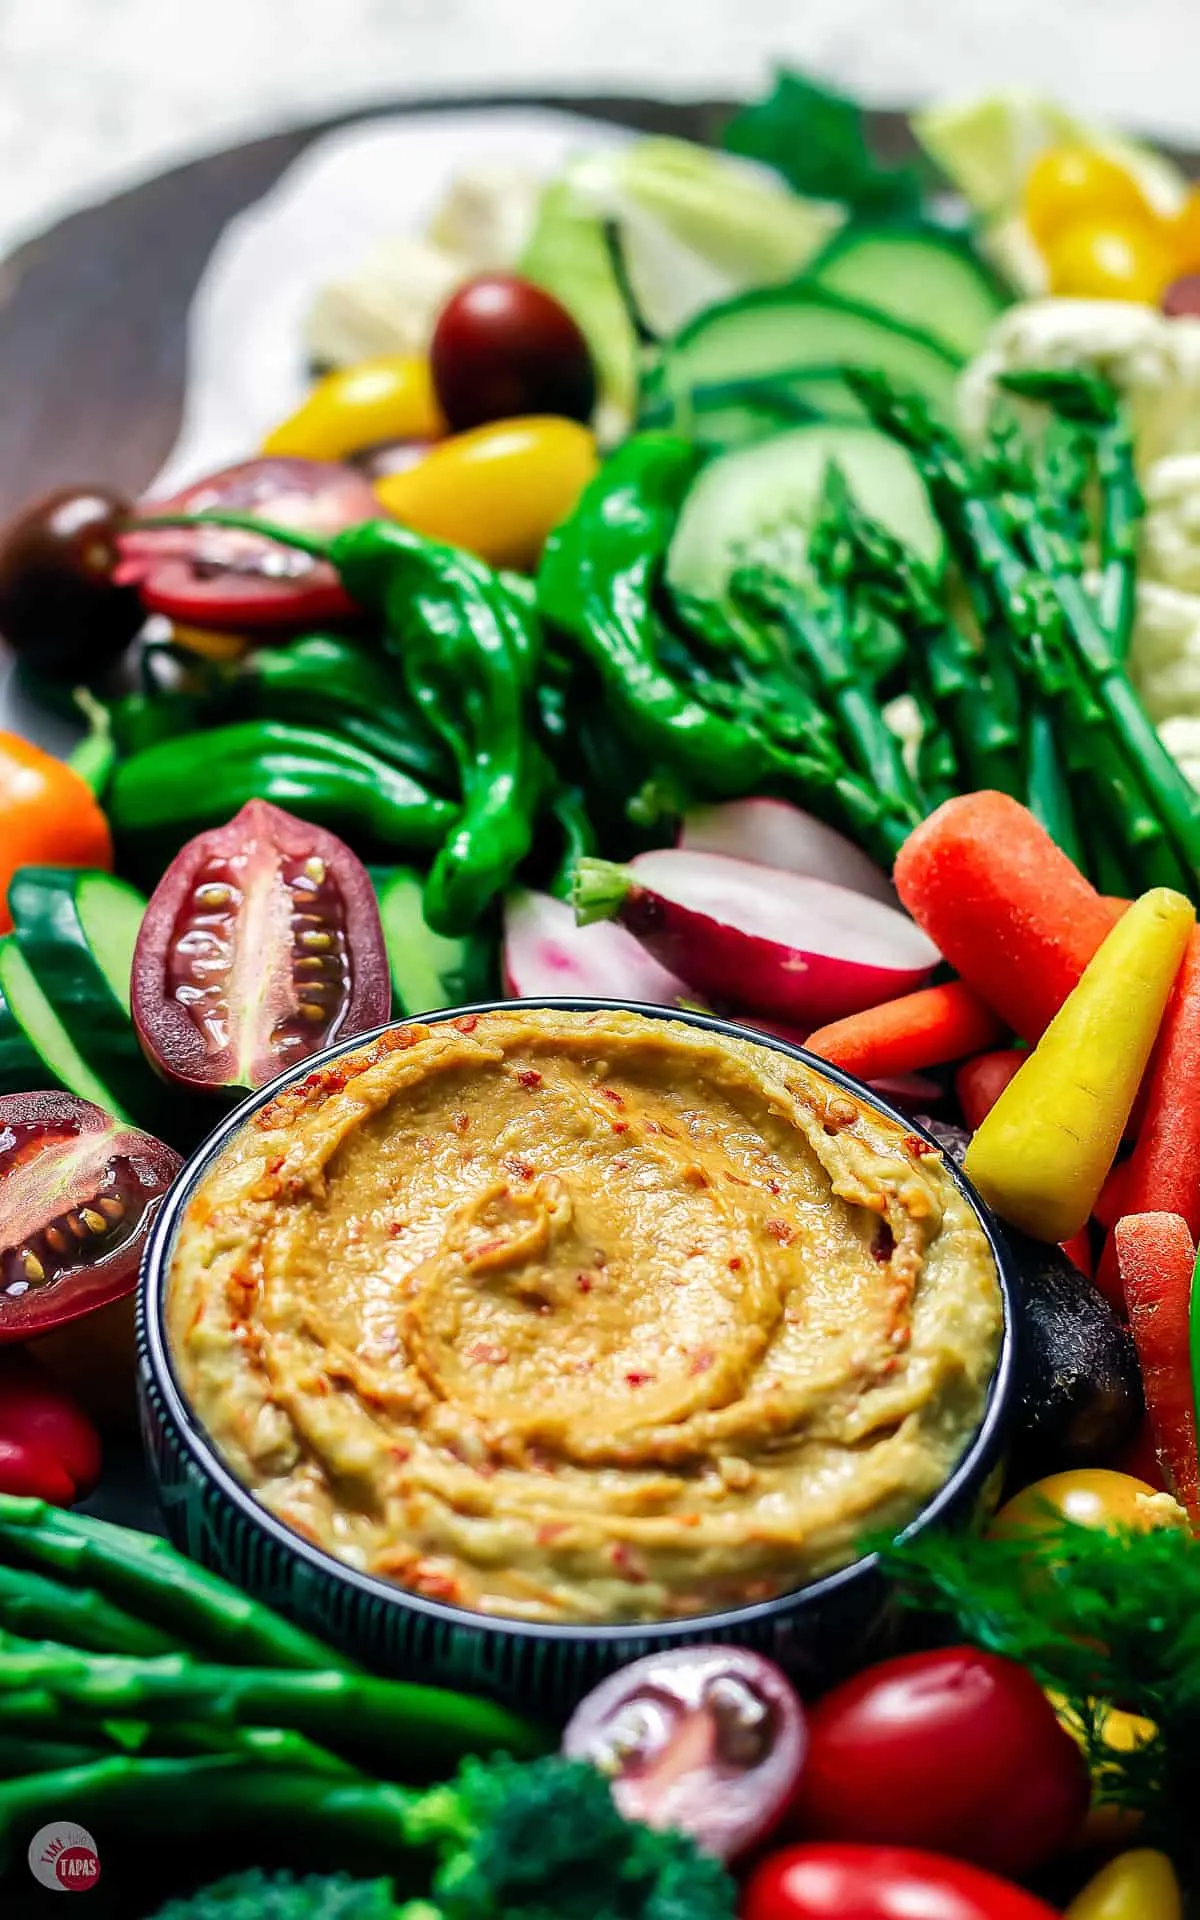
{"type": "Point", "coordinates": [507, 1345]}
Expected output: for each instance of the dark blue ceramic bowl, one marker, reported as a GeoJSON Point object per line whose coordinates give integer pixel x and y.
{"type": "Point", "coordinates": [820, 1630]}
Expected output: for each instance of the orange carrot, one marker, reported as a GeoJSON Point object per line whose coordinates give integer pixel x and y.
{"type": "Point", "coordinates": [1155, 1258]}
{"type": "Point", "coordinates": [1004, 905]}
{"type": "Point", "coordinates": [919, 1030]}
{"type": "Point", "coordinates": [1078, 1250]}
{"type": "Point", "coordinates": [1164, 1169]}
{"type": "Point", "coordinates": [980, 1082]}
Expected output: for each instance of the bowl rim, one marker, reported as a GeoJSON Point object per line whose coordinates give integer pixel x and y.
{"type": "Point", "coordinates": [155, 1359]}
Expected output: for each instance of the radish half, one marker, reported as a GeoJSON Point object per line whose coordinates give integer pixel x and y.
{"type": "Point", "coordinates": [772, 942]}
{"type": "Point", "coordinates": [779, 835]}
{"type": "Point", "coordinates": [546, 953]}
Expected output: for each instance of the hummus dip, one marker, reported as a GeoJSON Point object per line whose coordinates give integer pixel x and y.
{"type": "Point", "coordinates": [583, 1316]}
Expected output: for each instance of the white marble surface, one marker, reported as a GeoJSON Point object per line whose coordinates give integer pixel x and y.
{"type": "Point", "coordinates": [95, 94]}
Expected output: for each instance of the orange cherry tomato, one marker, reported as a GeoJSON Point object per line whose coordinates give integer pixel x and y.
{"type": "Point", "coordinates": [49, 816]}
{"type": "Point", "coordinates": [1104, 258]}
{"type": "Point", "coordinates": [1069, 184]}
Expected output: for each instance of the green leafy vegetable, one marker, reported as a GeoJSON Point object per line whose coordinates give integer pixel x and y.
{"type": "Point", "coordinates": [817, 140]}
{"type": "Point", "coordinates": [1102, 1618]}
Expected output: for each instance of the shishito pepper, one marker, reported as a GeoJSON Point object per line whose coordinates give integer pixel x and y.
{"type": "Point", "coordinates": [1042, 1154]}
{"type": "Point", "coordinates": [367, 405]}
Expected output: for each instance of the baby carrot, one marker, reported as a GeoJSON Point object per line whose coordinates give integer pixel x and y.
{"type": "Point", "coordinates": [1004, 905]}
{"type": "Point", "coordinates": [919, 1030]}
{"type": "Point", "coordinates": [1041, 1156]}
{"type": "Point", "coordinates": [980, 1082]}
{"type": "Point", "coordinates": [1155, 1258]}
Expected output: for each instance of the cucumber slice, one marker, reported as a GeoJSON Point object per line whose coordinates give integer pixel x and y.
{"type": "Point", "coordinates": [47, 1036]}
{"type": "Point", "coordinates": [21, 1068]}
{"type": "Point", "coordinates": [76, 933]}
{"type": "Point", "coordinates": [739, 413]}
{"type": "Point", "coordinates": [428, 970]}
{"type": "Point", "coordinates": [920, 276]}
{"type": "Point", "coordinates": [744, 497]}
{"type": "Point", "coordinates": [784, 329]}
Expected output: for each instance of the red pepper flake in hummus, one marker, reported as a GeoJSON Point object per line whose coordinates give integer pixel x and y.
{"type": "Point", "coordinates": [781, 1231]}
{"type": "Point", "coordinates": [529, 1077]}
{"type": "Point", "coordinates": [468, 1023]}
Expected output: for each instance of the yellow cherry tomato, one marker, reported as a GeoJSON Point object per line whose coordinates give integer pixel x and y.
{"type": "Point", "coordinates": [499, 490]}
{"type": "Point", "coordinates": [1135, 1886]}
{"type": "Point", "coordinates": [366, 405]}
{"type": "Point", "coordinates": [1184, 234]}
{"type": "Point", "coordinates": [1103, 258]}
{"type": "Point", "coordinates": [1107, 1824]}
{"type": "Point", "coordinates": [1068, 184]}
{"type": "Point", "coordinates": [1091, 1497]}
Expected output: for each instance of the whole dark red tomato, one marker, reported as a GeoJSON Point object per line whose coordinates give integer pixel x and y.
{"type": "Point", "coordinates": [78, 1191]}
{"type": "Point", "coordinates": [61, 608]}
{"type": "Point", "coordinates": [503, 348]}
{"type": "Point", "coordinates": [880, 1883]}
{"type": "Point", "coordinates": [261, 944]}
{"type": "Point", "coordinates": [219, 577]}
{"type": "Point", "coordinates": [957, 1750]}
{"type": "Point", "coordinates": [710, 1740]}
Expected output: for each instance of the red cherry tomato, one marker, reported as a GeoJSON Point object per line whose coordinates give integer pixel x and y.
{"type": "Point", "coordinates": [261, 944]}
{"type": "Point", "coordinates": [78, 1191]}
{"type": "Point", "coordinates": [218, 577]}
{"type": "Point", "coordinates": [710, 1740]}
{"type": "Point", "coordinates": [503, 348]}
{"type": "Point", "coordinates": [48, 1447]}
{"type": "Point", "coordinates": [880, 1883]}
{"type": "Point", "coordinates": [958, 1751]}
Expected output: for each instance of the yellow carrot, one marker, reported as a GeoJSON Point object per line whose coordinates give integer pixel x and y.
{"type": "Point", "coordinates": [1041, 1156]}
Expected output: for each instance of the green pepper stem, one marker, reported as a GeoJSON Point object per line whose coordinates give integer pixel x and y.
{"type": "Point", "coordinates": [598, 890]}
{"type": "Point", "coordinates": [240, 523]}
{"type": "Point", "coordinates": [96, 755]}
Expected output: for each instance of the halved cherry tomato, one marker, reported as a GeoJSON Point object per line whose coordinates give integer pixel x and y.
{"type": "Point", "coordinates": [1105, 258]}
{"type": "Point", "coordinates": [78, 1191]}
{"type": "Point", "coordinates": [880, 1883]}
{"type": "Point", "coordinates": [498, 491]}
{"type": "Point", "coordinates": [217, 577]}
{"type": "Point", "coordinates": [707, 1739]}
{"type": "Point", "coordinates": [1091, 1497]}
{"type": "Point", "coordinates": [958, 1751]}
{"type": "Point", "coordinates": [1069, 184]}
{"type": "Point", "coordinates": [503, 348]}
{"type": "Point", "coordinates": [377, 401]}
{"type": "Point", "coordinates": [261, 944]}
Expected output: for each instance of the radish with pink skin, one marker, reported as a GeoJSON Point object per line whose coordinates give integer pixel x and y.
{"type": "Point", "coordinates": [776, 834]}
{"type": "Point", "coordinates": [546, 954]}
{"type": "Point", "coordinates": [775, 943]}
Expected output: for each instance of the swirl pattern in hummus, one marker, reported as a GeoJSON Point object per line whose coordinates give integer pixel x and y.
{"type": "Point", "coordinates": [583, 1316]}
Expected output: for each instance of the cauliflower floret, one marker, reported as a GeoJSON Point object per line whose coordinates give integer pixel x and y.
{"type": "Point", "coordinates": [1181, 737]}
{"type": "Point", "coordinates": [387, 305]}
{"type": "Point", "coordinates": [1170, 539]}
{"type": "Point", "coordinates": [487, 217]}
{"type": "Point", "coordinates": [1164, 659]}
{"type": "Point", "coordinates": [1154, 362]}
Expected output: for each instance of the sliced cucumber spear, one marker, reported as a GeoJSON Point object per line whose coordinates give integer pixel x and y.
{"type": "Point", "coordinates": [57, 1060]}
{"type": "Point", "coordinates": [75, 932]}
{"type": "Point", "coordinates": [428, 971]}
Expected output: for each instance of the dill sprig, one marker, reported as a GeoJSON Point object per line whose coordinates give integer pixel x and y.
{"type": "Point", "coordinates": [1102, 1618]}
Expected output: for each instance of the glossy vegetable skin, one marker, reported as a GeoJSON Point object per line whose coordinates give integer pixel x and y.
{"type": "Point", "coordinates": [376, 401]}
{"type": "Point", "coordinates": [955, 1751]}
{"type": "Point", "coordinates": [78, 1192]}
{"type": "Point", "coordinates": [1089, 1496]}
{"type": "Point", "coordinates": [210, 576]}
{"type": "Point", "coordinates": [49, 1449]}
{"type": "Point", "coordinates": [60, 607]}
{"type": "Point", "coordinates": [834, 1881]}
{"type": "Point", "coordinates": [498, 491]}
{"type": "Point", "coordinates": [49, 816]}
{"type": "Point", "coordinates": [260, 945]}
{"type": "Point", "coordinates": [1140, 1885]}
{"type": "Point", "coordinates": [1042, 1155]}
{"type": "Point", "coordinates": [503, 347]}
{"type": "Point", "coordinates": [708, 1740]}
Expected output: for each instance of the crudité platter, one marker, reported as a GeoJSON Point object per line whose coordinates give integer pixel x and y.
{"type": "Point", "coordinates": [599, 1032]}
